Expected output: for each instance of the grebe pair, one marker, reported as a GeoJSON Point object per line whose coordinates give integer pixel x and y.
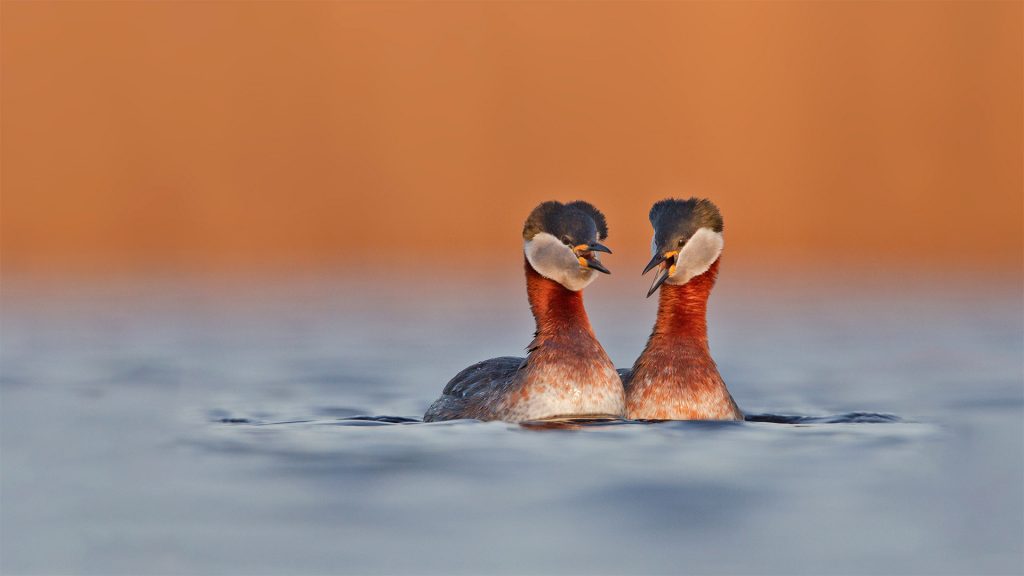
{"type": "Point", "coordinates": [566, 373]}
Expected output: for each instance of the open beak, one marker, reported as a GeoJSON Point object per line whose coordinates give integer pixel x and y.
{"type": "Point", "coordinates": [584, 252]}
{"type": "Point", "coordinates": [657, 260]}
{"type": "Point", "coordinates": [667, 263]}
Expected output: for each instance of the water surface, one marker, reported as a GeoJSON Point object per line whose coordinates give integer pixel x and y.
{"type": "Point", "coordinates": [176, 427]}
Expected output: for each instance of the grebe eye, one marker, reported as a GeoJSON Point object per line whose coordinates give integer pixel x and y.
{"type": "Point", "coordinates": [682, 241]}
{"type": "Point", "coordinates": [567, 241]}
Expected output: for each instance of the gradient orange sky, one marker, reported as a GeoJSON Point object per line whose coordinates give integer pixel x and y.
{"type": "Point", "coordinates": [230, 135]}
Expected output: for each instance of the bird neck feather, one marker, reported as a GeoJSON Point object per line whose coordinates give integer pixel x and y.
{"type": "Point", "coordinates": [682, 308]}
{"type": "Point", "coordinates": [557, 310]}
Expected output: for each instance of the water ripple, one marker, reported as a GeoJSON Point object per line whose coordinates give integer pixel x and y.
{"type": "Point", "coordinates": [576, 423]}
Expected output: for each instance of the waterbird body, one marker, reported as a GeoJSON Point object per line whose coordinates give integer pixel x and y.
{"type": "Point", "coordinates": [675, 377]}
{"type": "Point", "coordinates": [566, 372]}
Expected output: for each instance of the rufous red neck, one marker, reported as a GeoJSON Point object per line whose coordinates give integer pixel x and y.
{"type": "Point", "coordinates": [555, 307]}
{"type": "Point", "coordinates": [682, 308]}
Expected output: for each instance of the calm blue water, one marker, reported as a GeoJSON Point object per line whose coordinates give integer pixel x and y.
{"type": "Point", "coordinates": [186, 427]}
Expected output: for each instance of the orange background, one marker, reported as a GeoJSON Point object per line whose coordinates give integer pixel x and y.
{"type": "Point", "coordinates": [237, 135]}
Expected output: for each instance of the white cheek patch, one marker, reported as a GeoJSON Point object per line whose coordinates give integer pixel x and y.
{"type": "Point", "coordinates": [697, 255]}
{"type": "Point", "coordinates": [554, 260]}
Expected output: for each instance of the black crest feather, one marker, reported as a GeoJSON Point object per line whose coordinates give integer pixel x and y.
{"type": "Point", "coordinates": [676, 221]}
{"type": "Point", "coordinates": [595, 215]}
{"type": "Point", "coordinates": [579, 220]}
{"type": "Point", "coordinates": [697, 212]}
{"type": "Point", "coordinates": [541, 218]}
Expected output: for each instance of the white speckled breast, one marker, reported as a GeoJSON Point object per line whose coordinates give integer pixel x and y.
{"type": "Point", "coordinates": [568, 388]}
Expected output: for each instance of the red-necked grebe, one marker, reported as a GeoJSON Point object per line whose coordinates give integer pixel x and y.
{"type": "Point", "coordinates": [566, 372]}
{"type": "Point", "coordinates": [675, 377]}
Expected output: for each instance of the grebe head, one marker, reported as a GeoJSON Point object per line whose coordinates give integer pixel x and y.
{"type": "Point", "coordinates": [687, 240]}
{"type": "Point", "coordinates": [561, 241]}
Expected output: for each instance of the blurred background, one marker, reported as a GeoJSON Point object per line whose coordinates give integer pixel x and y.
{"type": "Point", "coordinates": [232, 136]}
{"type": "Point", "coordinates": [229, 227]}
